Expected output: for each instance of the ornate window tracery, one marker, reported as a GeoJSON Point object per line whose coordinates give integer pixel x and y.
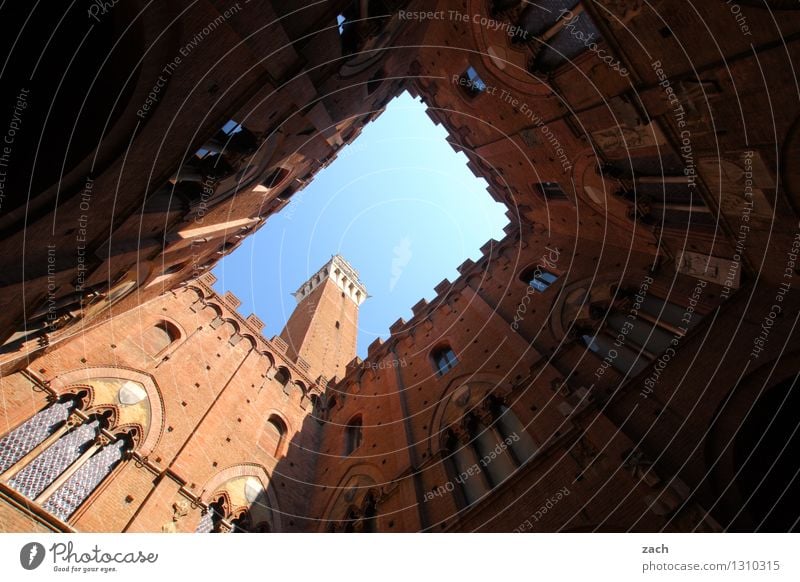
{"type": "Point", "coordinates": [240, 505]}
{"type": "Point", "coordinates": [485, 447]}
{"type": "Point", "coordinates": [60, 456]}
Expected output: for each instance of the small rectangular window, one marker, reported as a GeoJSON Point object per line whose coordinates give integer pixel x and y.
{"type": "Point", "coordinates": [541, 280]}
{"type": "Point", "coordinates": [550, 191]}
{"type": "Point", "coordinates": [231, 127]}
{"type": "Point", "coordinates": [445, 360]}
{"type": "Point", "coordinates": [472, 83]}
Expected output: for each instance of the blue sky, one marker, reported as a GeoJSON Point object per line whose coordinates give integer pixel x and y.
{"type": "Point", "coordinates": [399, 204]}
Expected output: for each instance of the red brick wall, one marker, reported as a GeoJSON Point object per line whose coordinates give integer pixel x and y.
{"type": "Point", "coordinates": [323, 330]}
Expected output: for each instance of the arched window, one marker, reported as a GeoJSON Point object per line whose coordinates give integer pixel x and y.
{"type": "Point", "coordinates": [631, 345]}
{"type": "Point", "coordinates": [241, 523]}
{"type": "Point", "coordinates": [240, 505]}
{"type": "Point", "coordinates": [213, 517]}
{"type": "Point", "coordinates": [444, 359]}
{"type": "Point", "coordinates": [159, 337]}
{"type": "Point", "coordinates": [659, 192]}
{"type": "Point", "coordinates": [60, 456]}
{"type": "Point", "coordinates": [657, 323]}
{"type": "Point", "coordinates": [66, 499]}
{"type": "Point", "coordinates": [482, 456]}
{"type": "Point", "coordinates": [31, 433]}
{"type": "Point", "coordinates": [352, 435]}
{"type": "Point", "coordinates": [75, 457]}
{"type": "Point", "coordinates": [282, 376]}
{"type": "Point", "coordinates": [276, 429]}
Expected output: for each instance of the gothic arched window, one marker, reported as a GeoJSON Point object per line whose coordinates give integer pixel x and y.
{"type": "Point", "coordinates": [657, 323]}
{"type": "Point", "coordinates": [483, 451]}
{"type": "Point", "coordinates": [31, 433]}
{"type": "Point", "coordinates": [212, 518]}
{"type": "Point", "coordinates": [557, 31]}
{"type": "Point", "coordinates": [66, 499]}
{"type": "Point", "coordinates": [77, 454]}
{"type": "Point", "coordinates": [59, 457]}
{"type": "Point", "coordinates": [240, 505]}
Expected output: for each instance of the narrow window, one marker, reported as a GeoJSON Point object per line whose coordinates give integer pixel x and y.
{"type": "Point", "coordinates": [49, 465]}
{"type": "Point", "coordinates": [352, 435]}
{"type": "Point", "coordinates": [75, 490]}
{"type": "Point", "coordinates": [282, 376]}
{"type": "Point", "coordinates": [276, 429]}
{"type": "Point", "coordinates": [464, 461]}
{"type": "Point", "coordinates": [511, 429]}
{"type": "Point", "coordinates": [494, 459]}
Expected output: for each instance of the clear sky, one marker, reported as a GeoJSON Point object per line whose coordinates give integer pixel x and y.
{"type": "Point", "coordinates": [398, 203]}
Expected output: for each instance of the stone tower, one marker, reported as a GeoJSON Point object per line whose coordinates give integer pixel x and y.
{"type": "Point", "coordinates": [323, 329]}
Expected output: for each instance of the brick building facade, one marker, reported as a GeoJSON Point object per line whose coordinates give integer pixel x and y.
{"type": "Point", "coordinates": [623, 359]}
